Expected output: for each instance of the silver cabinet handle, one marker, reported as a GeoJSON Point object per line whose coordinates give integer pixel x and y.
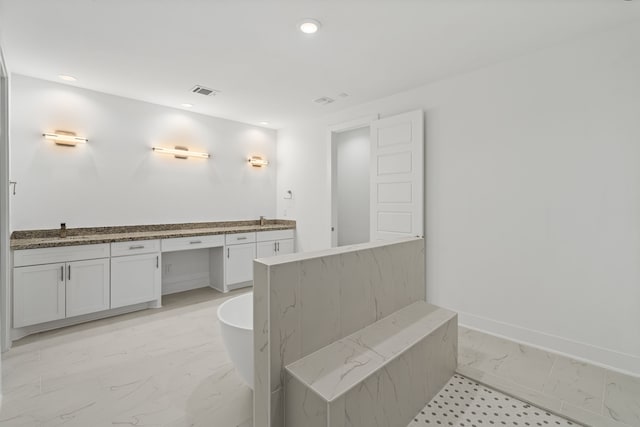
{"type": "Point", "coordinates": [195, 242]}
{"type": "Point", "coordinates": [62, 273]}
{"type": "Point", "coordinates": [278, 246]}
{"type": "Point", "coordinates": [241, 238]}
{"type": "Point", "coordinates": [227, 252]}
{"type": "Point", "coordinates": [157, 261]}
{"type": "Point", "coordinates": [275, 247]}
{"type": "Point", "coordinates": [68, 272]}
{"type": "Point", "coordinates": [136, 247]}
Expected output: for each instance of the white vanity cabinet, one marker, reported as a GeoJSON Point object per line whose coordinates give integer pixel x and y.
{"type": "Point", "coordinates": [55, 283]}
{"type": "Point", "coordinates": [63, 285]}
{"type": "Point", "coordinates": [285, 246]}
{"type": "Point", "coordinates": [266, 249]}
{"type": "Point", "coordinates": [135, 272]}
{"type": "Point", "coordinates": [87, 287]}
{"type": "Point", "coordinates": [276, 242]}
{"type": "Point", "coordinates": [239, 253]}
{"type": "Point", "coordinates": [38, 294]}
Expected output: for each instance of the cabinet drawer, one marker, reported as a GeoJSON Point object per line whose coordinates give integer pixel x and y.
{"type": "Point", "coordinates": [264, 236]}
{"type": "Point", "coordinates": [135, 247]}
{"type": "Point", "coordinates": [60, 254]}
{"type": "Point", "coordinates": [238, 238]}
{"type": "Point", "coordinates": [195, 242]}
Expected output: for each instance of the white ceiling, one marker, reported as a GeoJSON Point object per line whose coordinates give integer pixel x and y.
{"type": "Point", "coordinates": [251, 50]}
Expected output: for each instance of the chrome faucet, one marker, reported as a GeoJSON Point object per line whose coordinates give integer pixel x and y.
{"type": "Point", "coordinates": [261, 221]}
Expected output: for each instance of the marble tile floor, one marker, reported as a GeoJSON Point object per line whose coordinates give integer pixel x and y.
{"type": "Point", "coordinates": [167, 367]}
{"type": "Point", "coordinates": [465, 403]}
{"type": "Point", "coordinates": [163, 367]}
{"type": "Point", "coordinates": [580, 391]}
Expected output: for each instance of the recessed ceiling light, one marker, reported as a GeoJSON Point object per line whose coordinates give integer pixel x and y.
{"type": "Point", "coordinates": [67, 78]}
{"type": "Point", "coordinates": [309, 25]}
{"type": "Point", "coordinates": [264, 123]}
{"type": "Point", "coordinates": [186, 105]}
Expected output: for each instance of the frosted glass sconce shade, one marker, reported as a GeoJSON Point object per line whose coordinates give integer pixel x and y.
{"type": "Point", "coordinates": [61, 137]}
{"type": "Point", "coordinates": [257, 162]}
{"type": "Point", "coordinates": [181, 152]}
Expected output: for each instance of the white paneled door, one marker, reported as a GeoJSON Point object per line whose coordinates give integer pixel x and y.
{"type": "Point", "coordinates": [397, 177]}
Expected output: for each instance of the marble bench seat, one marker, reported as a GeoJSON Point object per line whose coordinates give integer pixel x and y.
{"type": "Point", "coordinates": [381, 375]}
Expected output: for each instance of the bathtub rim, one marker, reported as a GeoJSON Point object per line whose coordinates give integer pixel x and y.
{"type": "Point", "coordinates": [225, 321]}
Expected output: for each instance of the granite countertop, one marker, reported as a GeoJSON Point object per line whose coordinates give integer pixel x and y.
{"type": "Point", "coordinates": [33, 239]}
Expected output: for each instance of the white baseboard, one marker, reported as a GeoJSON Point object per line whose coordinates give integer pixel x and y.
{"type": "Point", "coordinates": [217, 288]}
{"type": "Point", "coordinates": [239, 285]}
{"type": "Point", "coordinates": [606, 358]}
{"type": "Point", "coordinates": [185, 283]}
{"type": "Point", "coordinates": [17, 333]}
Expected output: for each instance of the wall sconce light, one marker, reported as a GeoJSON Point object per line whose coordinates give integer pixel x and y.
{"type": "Point", "coordinates": [181, 152]}
{"type": "Point", "coordinates": [68, 139]}
{"type": "Point", "coordinates": [257, 162]}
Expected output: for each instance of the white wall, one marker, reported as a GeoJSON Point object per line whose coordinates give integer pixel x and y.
{"type": "Point", "coordinates": [532, 194]}
{"type": "Point", "coordinates": [116, 179]}
{"type": "Point", "coordinates": [352, 155]}
{"type": "Point", "coordinates": [303, 168]}
{"type": "Point", "coordinates": [4, 209]}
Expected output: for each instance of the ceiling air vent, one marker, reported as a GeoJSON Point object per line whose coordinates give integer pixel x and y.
{"type": "Point", "coordinates": [323, 100]}
{"type": "Point", "coordinates": [204, 90]}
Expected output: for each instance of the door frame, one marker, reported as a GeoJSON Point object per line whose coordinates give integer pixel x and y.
{"type": "Point", "coordinates": [333, 166]}
{"type": "Point", "coordinates": [5, 276]}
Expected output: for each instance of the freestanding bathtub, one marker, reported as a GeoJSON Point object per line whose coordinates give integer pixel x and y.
{"type": "Point", "coordinates": [236, 324]}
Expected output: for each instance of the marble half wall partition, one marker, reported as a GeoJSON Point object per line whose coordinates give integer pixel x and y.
{"type": "Point", "coordinates": [305, 301]}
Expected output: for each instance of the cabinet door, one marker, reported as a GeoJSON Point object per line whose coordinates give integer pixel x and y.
{"type": "Point", "coordinates": [266, 249]}
{"type": "Point", "coordinates": [135, 279]}
{"type": "Point", "coordinates": [87, 289]}
{"type": "Point", "coordinates": [238, 266]}
{"type": "Point", "coordinates": [285, 246]}
{"type": "Point", "coordinates": [38, 294]}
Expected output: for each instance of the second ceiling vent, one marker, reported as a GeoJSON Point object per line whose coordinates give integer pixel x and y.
{"type": "Point", "coordinates": [199, 89]}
